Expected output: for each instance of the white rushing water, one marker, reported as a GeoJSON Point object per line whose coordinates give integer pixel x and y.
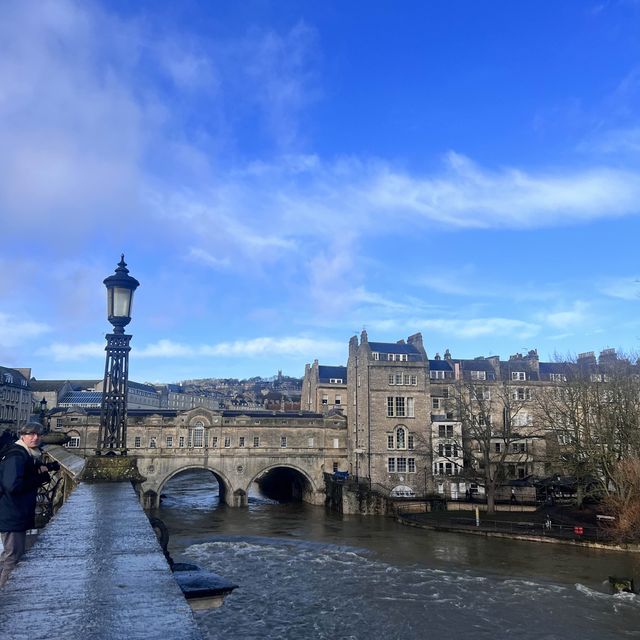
{"type": "Point", "coordinates": [303, 573]}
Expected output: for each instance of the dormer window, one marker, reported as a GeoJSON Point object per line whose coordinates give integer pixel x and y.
{"type": "Point", "coordinates": [397, 357]}
{"type": "Point", "coordinates": [437, 375]}
{"type": "Point", "coordinates": [478, 375]}
{"type": "Point", "coordinates": [335, 380]}
{"type": "Point", "coordinates": [518, 375]}
{"type": "Point", "coordinates": [376, 355]}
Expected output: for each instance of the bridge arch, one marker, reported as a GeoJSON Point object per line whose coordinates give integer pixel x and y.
{"type": "Point", "coordinates": [226, 487]}
{"type": "Point", "coordinates": [285, 481]}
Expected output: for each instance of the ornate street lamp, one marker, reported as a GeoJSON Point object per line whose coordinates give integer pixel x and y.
{"type": "Point", "coordinates": [112, 438]}
{"type": "Point", "coordinates": [43, 414]}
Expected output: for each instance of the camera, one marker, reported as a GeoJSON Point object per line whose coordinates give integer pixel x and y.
{"type": "Point", "coordinates": [52, 466]}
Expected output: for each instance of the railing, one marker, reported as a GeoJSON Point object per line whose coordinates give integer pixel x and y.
{"type": "Point", "coordinates": [549, 528]}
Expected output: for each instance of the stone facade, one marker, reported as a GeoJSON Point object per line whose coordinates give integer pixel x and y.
{"type": "Point", "coordinates": [389, 413]}
{"type": "Point", "coordinates": [16, 403]}
{"type": "Point", "coordinates": [324, 388]}
{"type": "Point", "coordinates": [239, 448]}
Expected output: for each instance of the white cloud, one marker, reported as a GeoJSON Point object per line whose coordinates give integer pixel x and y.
{"type": "Point", "coordinates": [60, 352]}
{"type": "Point", "coordinates": [566, 318]}
{"type": "Point", "coordinates": [625, 288]}
{"type": "Point", "coordinates": [463, 328]}
{"type": "Point", "coordinates": [478, 327]}
{"type": "Point", "coordinates": [252, 348]}
{"type": "Point", "coordinates": [16, 331]}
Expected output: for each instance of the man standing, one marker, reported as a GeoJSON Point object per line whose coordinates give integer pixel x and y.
{"type": "Point", "coordinates": [21, 473]}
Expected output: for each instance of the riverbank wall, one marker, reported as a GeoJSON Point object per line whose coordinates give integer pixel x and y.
{"type": "Point", "coordinates": [413, 520]}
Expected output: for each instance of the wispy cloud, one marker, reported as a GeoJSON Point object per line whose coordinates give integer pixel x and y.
{"type": "Point", "coordinates": [61, 352]}
{"type": "Point", "coordinates": [565, 318]}
{"type": "Point", "coordinates": [626, 288]}
{"type": "Point", "coordinates": [288, 346]}
{"type": "Point", "coordinates": [16, 331]}
{"type": "Point", "coordinates": [463, 328]}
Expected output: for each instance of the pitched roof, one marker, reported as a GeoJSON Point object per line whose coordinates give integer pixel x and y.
{"type": "Point", "coordinates": [326, 373]}
{"type": "Point", "coordinates": [394, 347]}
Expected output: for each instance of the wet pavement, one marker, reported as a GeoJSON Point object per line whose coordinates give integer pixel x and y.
{"type": "Point", "coordinates": [96, 571]}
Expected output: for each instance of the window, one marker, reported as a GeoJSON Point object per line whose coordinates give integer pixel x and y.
{"type": "Point", "coordinates": [445, 431]}
{"type": "Point", "coordinates": [74, 442]}
{"type": "Point", "coordinates": [169, 442]}
{"type": "Point", "coordinates": [390, 441]}
{"type": "Point", "coordinates": [411, 465]}
{"type": "Point", "coordinates": [376, 355]}
{"type": "Point", "coordinates": [227, 442]}
{"type": "Point", "coordinates": [397, 357]}
{"type": "Point", "coordinates": [152, 443]}
{"type": "Point", "coordinates": [283, 441]}
{"type": "Point", "coordinates": [256, 441]}
{"type": "Point", "coordinates": [325, 398]}
{"type": "Point", "coordinates": [410, 441]}
{"type": "Point", "coordinates": [214, 442]}
{"type": "Point", "coordinates": [484, 421]}
{"type": "Point", "coordinates": [391, 465]}
{"type": "Point", "coordinates": [401, 465]}
{"type": "Point", "coordinates": [557, 377]}
{"type": "Point", "coordinates": [401, 435]}
{"type": "Point", "coordinates": [137, 442]}
{"type": "Point", "coordinates": [410, 408]}
{"type": "Point", "coordinates": [181, 441]}
{"type": "Point", "coordinates": [437, 375]}
{"type": "Point", "coordinates": [336, 443]}
{"type": "Point", "coordinates": [335, 380]}
{"type": "Point", "coordinates": [310, 442]}
{"type": "Point", "coordinates": [338, 399]}
{"type": "Point", "coordinates": [482, 393]}
{"type": "Point", "coordinates": [521, 393]}
{"type": "Point", "coordinates": [518, 375]}
{"type": "Point", "coordinates": [478, 375]}
{"type": "Point", "coordinates": [335, 467]}
{"type": "Point", "coordinates": [497, 447]}
{"type": "Point", "coordinates": [436, 403]}
{"type": "Point", "coordinates": [241, 441]}
{"type": "Point", "coordinates": [448, 468]}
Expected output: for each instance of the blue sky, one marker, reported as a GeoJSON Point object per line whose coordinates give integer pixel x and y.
{"type": "Point", "coordinates": [281, 175]}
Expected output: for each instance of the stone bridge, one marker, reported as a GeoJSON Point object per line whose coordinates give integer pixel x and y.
{"type": "Point", "coordinates": [284, 453]}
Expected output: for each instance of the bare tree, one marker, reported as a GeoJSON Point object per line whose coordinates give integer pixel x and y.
{"type": "Point", "coordinates": [592, 414]}
{"type": "Point", "coordinates": [497, 431]}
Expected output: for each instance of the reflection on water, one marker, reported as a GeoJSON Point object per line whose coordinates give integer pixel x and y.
{"type": "Point", "coordinates": [304, 573]}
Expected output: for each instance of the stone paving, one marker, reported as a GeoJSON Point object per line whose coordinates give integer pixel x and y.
{"type": "Point", "coordinates": [96, 572]}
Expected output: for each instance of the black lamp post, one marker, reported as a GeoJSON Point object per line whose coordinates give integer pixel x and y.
{"type": "Point", "coordinates": [112, 438]}
{"type": "Point", "coordinates": [43, 414]}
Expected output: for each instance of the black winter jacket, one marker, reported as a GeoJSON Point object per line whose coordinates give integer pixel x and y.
{"type": "Point", "coordinates": [19, 482]}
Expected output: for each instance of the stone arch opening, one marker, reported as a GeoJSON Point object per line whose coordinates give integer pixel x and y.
{"type": "Point", "coordinates": [283, 484]}
{"type": "Point", "coordinates": [196, 487]}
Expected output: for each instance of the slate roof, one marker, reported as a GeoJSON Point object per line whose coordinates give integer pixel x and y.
{"type": "Point", "coordinates": [413, 354]}
{"type": "Point", "coordinates": [440, 365]}
{"type": "Point", "coordinates": [506, 368]}
{"type": "Point", "coordinates": [56, 385]}
{"type": "Point", "coordinates": [16, 375]}
{"type": "Point", "coordinates": [142, 387]}
{"type": "Point", "coordinates": [325, 373]}
{"type": "Point", "coordinates": [394, 347]}
{"type": "Point", "coordinates": [547, 368]}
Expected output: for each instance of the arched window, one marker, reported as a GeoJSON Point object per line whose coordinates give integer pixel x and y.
{"type": "Point", "coordinates": [401, 437]}
{"type": "Point", "coordinates": [196, 434]}
{"type": "Point", "coordinates": [152, 443]}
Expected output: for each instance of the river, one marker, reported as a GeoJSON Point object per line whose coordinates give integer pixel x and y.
{"type": "Point", "coordinates": [304, 573]}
